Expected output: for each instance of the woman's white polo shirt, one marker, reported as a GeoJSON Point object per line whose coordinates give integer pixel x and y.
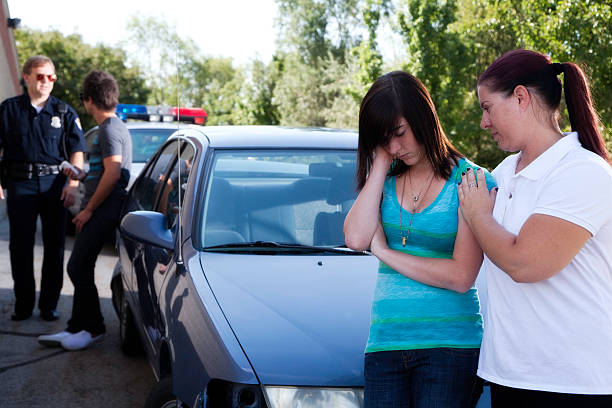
{"type": "Point", "coordinates": [554, 335]}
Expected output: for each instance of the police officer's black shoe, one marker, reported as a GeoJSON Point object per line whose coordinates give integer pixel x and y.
{"type": "Point", "coordinates": [17, 317]}
{"type": "Point", "coordinates": [49, 315]}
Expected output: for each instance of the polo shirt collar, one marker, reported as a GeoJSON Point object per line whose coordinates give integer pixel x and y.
{"type": "Point", "coordinates": [547, 160]}
{"type": "Point", "coordinates": [25, 99]}
{"type": "Point", "coordinates": [49, 105]}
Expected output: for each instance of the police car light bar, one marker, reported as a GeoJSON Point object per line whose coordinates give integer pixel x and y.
{"type": "Point", "coordinates": [126, 111]}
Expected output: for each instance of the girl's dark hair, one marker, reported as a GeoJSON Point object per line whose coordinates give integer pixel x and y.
{"type": "Point", "coordinates": [535, 70]}
{"type": "Point", "coordinates": [391, 97]}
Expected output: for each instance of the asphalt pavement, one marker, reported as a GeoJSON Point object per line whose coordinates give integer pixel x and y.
{"type": "Point", "coordinates": [33, 376]}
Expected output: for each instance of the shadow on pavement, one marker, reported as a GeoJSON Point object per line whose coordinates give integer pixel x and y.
{"type": "Point", "coordinates": [33, 375]}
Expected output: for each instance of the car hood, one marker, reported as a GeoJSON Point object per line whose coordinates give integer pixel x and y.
{"type": "Point", "coordinates": [301, 319]}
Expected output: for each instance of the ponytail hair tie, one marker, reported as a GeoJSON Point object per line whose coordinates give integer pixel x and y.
{"type": "Point", "coordinates": [557, 68]}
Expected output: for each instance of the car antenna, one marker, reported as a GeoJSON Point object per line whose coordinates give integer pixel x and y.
{"type": "Point", "coordinates": [180, 266]}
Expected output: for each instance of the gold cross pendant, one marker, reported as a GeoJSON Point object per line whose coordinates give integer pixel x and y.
{"type": "Point", "coordinates": [404, 241]}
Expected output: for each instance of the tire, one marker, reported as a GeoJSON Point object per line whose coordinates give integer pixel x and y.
{"type": "Point", "coordinates": [128, 332]}
{"type": "Point", "coordinates": [161, 395]}
{"type": "Point", "coordinates": [117, 289]}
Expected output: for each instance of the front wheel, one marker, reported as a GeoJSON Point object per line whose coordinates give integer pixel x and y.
{"type": "Point", "coordinates": [161, 395]}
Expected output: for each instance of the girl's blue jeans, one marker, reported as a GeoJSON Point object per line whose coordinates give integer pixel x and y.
{"type": "Point", "coordinates": [423, 378]}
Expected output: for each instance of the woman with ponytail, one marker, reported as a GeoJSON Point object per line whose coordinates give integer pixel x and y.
{"type": "Point", "coordinates": [547, 238]}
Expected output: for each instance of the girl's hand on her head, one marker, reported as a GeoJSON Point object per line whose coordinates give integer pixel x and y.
{"type": "Point", "coordinates": [379, 241]}
{"type": "Point", "coordinates": [474, 197]}
{"type": "Point", "coordinates": [383, 156]}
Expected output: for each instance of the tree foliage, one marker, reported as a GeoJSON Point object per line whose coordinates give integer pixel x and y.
{"type": "Point", "coordinates": [451, 42]}
{"type": "Point", "coordinates": [318, 74]}
{"type": "Point", "coordinates": [316, 29]}
{"type": "Point", "coordinates": [316, 96]}
{"type": "Point", "coordinates": [178, 72]}
{"type": "Point", "coordinates": [329, 53]}
{"type": "Point", "coordinates": [258, 106]}
{"type": "Point", "coordinates": [73, 60]}
{"type": "Point", "coordinates": [370, 58]}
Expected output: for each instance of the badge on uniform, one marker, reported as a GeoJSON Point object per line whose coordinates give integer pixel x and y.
{"type": "Point", "coordinates": [55, 122]}
{"type": "Point", "coordinates": [78, 123]}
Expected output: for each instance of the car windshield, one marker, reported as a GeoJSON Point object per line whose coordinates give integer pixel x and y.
{"type": "Point", "coordinates": [295, 197]}
{"type": "Point", "coordinates": [146, 141]}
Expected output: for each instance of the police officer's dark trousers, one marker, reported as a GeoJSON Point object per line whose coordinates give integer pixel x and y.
{"type": "Point", "coordinates": [86, 314]}
{"type": "Point", "coordinates": [26, 200]}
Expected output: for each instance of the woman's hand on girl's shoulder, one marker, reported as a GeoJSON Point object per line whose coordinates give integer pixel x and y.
{"type": "Point", "coordinates": [474, 196]}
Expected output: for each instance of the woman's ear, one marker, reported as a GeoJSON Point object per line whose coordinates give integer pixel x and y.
{"type": "Point", "coordinates": [521, 93]}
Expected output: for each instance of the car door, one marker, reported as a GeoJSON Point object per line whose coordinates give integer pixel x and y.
{"type": "Point", "coordinates": [143, 196]}
{"type": "Point", "coordinates": [152, 263]}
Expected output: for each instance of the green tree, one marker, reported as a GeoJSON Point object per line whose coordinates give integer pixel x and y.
{"type": "Point", "coordinates": [317, 96]}
{"type": "Point", "coordinates": [318, 74]}
{"type": "Point", "coordinates": [299, 94]}
{"type": "Point", "coordinates": [317, 28]}
{"type": "Point", "coordinates": [567, 30]}
{"type": "Point", "coordinates": [342, 111]}
{"type": "Point", "coordinates": [370, 58]}
{"type": "Point", "coordinates": [577, 31]}
{"type": "Point", "coordinates": [73, 59]}
{"type": "Point", "coordinates": [449, 43]}
{"type": "Point", "coordinates": [258, 106]}
{"type": "Point", "coordinates": [178, 72]}
{"type": "Point", "coordinates": [155, 46]}
{"type": "Point", "coordinates": [214, 84]}
{"type": "Point", "coordinates": [442, 57]}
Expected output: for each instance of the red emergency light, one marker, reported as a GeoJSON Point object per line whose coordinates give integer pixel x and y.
{"type": "Point", "coordinates": [194, 115]}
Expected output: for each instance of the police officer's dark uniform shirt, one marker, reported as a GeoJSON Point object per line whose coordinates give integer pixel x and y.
{"type": "Point", "coordinates": [27, 136]}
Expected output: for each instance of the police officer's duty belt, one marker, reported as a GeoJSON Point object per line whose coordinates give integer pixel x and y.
{"type": "Point", "coordinates": [24, 170]}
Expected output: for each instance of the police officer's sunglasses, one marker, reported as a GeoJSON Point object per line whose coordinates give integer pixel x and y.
{"type": "Point", "coordinates": [50, 77]}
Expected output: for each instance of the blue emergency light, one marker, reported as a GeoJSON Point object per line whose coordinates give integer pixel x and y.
{"type": "Point", "coordinates": [130, 111]}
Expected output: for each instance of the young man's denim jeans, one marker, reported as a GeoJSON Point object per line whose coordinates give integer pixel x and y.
{"type": "Point", "coordinates": [86, 313]}
{"type": "Point", "coordinates": [423, 378]}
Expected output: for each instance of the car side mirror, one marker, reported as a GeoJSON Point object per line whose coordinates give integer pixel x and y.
{"type": "Point", "coordinates": [147, 227]}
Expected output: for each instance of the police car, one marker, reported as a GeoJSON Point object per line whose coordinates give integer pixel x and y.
{"type": "Point", "coordinates": [149, 127]}
{"type": "Point", "coordinates": [152, 126]}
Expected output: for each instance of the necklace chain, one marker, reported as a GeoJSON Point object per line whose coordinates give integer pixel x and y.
{"type": "Point", "coordinates": [415, 203]}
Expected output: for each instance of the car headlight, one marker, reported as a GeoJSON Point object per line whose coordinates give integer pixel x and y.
{"type": "Point", "coordinates": [307, 397]}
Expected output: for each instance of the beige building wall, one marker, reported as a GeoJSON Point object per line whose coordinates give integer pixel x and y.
{"type": "Point", "coordinates": [9, 78]}
{"type": "Point", "coordinates": [10, 72]}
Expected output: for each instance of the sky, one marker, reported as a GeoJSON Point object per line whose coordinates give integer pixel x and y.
{"type": "Point", "coordinates": [241, 29]}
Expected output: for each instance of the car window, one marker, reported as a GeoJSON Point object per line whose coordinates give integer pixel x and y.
{"type": "Point", "coordinates": [145, 142]}
{"type": "Point", "coordinates": [145, 192]}
{"type": "Point", "coordinates": [169, 198]}
{"type": "Point", "coordinates": [288, 196]}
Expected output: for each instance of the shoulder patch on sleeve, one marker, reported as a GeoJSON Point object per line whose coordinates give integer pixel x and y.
{"type": "Point", "coordinates": [77, 121]}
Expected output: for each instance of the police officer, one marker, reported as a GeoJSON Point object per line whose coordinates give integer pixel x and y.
{"type": "Point", "coordinates": [37, 133]}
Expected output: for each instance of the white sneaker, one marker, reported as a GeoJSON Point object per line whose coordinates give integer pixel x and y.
{"type": "Point", "coordinates": [53, 340]}
{"type": "Point", "coordinates": [80, 340]}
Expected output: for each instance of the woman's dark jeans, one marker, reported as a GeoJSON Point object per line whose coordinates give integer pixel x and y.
{"type": "Point", "coordinates": [507, 397]}
{"type": "Point", "coordinates": [423, 378]}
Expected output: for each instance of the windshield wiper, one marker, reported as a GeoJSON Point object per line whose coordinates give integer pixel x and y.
{"type": "Point", "coordinates": [272, 245]}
